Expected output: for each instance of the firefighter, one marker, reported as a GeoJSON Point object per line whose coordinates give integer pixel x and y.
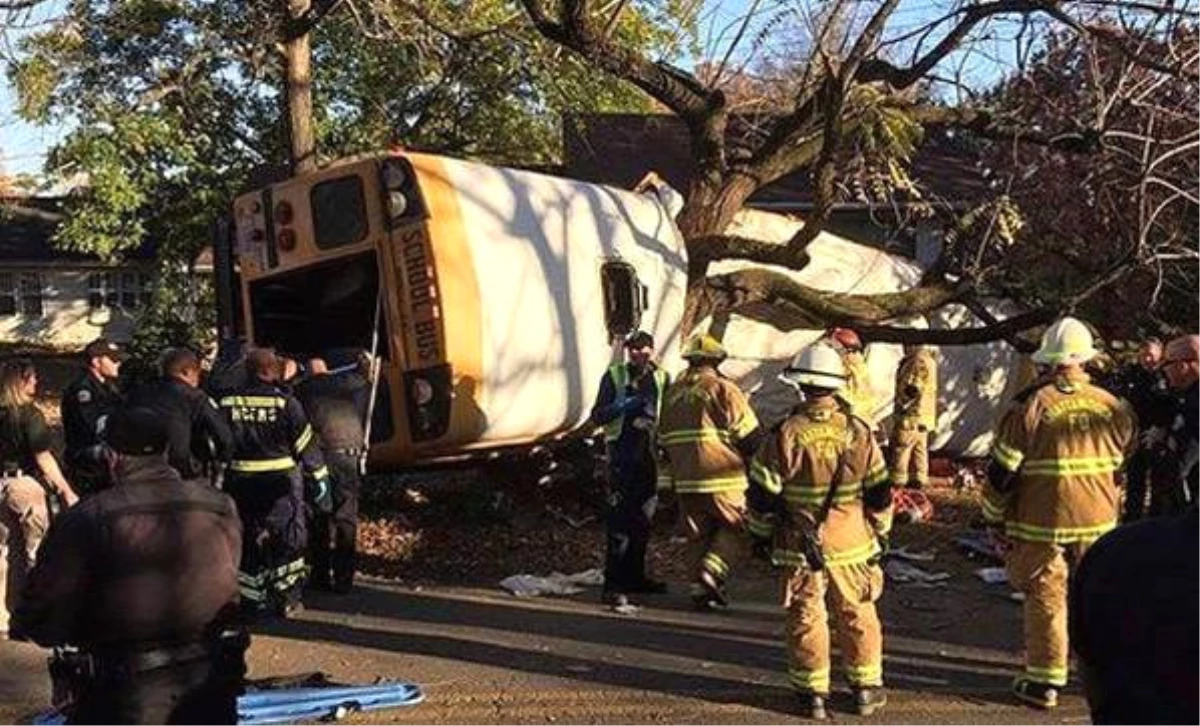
{"type": "Point", "coordinates": [709, 432]}
{"type": "Point", "coordinates": [198, 437]}
{"type": "Point", "coordinates": [272, 443]}
{"type": "Point", "coordinates": [1052, 487]}
{"type": "Point", "coordinates": [86, 405]}
{"type": "Point", "coordinates": [628, 407]}
{"type": "Point", "coordinates": [820, 504]}
{"type": "Point", "coordinates": [337, 406]}
{"type": "Point", "coordinates": [915, 417]}
{"type": "Point", "coordinates": [857, 393]}
{"type": "Point", "coordinates": [142, 579]}
{"type": "Point", "coordinates": [28, 471]}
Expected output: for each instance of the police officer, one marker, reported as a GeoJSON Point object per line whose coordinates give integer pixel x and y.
{"type": "Point", "coordinates": [336, 405]}
{"type": "Point", "coordinates": [628, 407]}
{"type": "Point", "coordinates": [142, 579]}
{"type": "Point", "coordinates": [198, 436]}
{"type": "Point", "coordinates": [272, 443]}
{"type": "Point", "coordinates": [25, 457]}
{"type": "Point", "coordinates": [709, 432]}
{"type": "Point", "coordinates": [820, 504]}
{"type": "Point", "coordinates": [1052, 487]}
{"type": "Point", "coordinates": [86, 404]}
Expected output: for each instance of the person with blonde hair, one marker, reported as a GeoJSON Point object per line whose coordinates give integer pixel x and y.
{"type": "Point", "coordinates": [24, 452]}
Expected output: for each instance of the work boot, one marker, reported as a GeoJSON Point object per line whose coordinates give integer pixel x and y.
{"type": "Point", "coordinates": [714, 589]}
{"type": "Point", "coordinates": [812, 705]}
{"type": "Point", "coordinates": [869, 699]}
{"type": "Point", "coordinates": [1035, 693]}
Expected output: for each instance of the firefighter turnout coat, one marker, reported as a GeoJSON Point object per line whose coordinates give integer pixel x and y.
{"type": "Point", "coordinates": [1052, 486]}
{"type": "Point", "coordinates": [790, 482]}
{"type": "Point", "coordinates": [704, 417]}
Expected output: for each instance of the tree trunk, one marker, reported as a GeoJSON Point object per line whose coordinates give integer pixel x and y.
{"type": "Point", "coordinates": [298, 56]}
{"type": "Point", "coordinates": [711, 206]}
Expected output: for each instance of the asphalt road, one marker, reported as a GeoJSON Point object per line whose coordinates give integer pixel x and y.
{"type": "Point", "coordinates": [484, 656]}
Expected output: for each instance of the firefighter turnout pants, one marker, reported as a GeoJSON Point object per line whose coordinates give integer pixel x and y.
{"type": "Point", "coordinates": [274, 536]}
{"type": "Point", "coordinates": [1041, 571]}
{"type": "Point", "coordinates": [910, 454]}
{"type": "Point", "coordinates": [848, 593]}
{"type": "Point", "coordinates": [334, 536]}
{"type": "Point", "coordinates": [713, 524]}
{"type": "Point", "coordinates": [23, 521]}
{"type": "Point", "coordinates": [632, 482]}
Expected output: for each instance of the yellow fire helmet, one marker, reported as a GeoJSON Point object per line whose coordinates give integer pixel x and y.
{"type": "Point", "coordinates": [1066, 342]}
{"type": "Point", "coordinates": [703, 346]}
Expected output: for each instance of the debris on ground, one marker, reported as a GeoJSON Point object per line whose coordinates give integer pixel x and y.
{"type": "Point", "coordinates": [901, 572]}
{"type": "Point", "coordinates": [911, 505]}
{"type": "Point", "coordinates": [992, 575]}
{"type": "Point", "coordinates": [556, 583]}
{"type": "Point", "coordinates": [573, 522]}
{"type": "Point", "coordinates": [979, 544]}
{"type": "Point", "coordinates": [904, 553]}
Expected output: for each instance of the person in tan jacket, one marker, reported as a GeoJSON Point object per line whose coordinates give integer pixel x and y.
{"type": "Point", "coordinates": [915, 416]}
{"type": "Point", "coordinates": [820, 501]}
{"type": "Point", "coordinates": [708, 432]}
{"type": "Point", "coordinates": [1053, 489]}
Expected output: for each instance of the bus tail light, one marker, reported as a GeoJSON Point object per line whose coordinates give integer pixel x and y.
{"type": "Point", "coordinates": [428, 396]}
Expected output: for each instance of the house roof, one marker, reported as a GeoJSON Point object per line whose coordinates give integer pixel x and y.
{"type": "Point", "coordinates": [620, 149]}
{"type": "Point", "coordinates": [27, 226]}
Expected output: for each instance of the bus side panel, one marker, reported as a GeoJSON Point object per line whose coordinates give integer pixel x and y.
{"type": "Point", "coordinates": [537, 243]}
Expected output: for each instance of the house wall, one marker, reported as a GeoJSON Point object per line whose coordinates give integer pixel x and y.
{"type": "Point", "coordinates": [67, 321]}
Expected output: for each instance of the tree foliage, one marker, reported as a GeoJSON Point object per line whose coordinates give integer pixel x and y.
{"type": "Point", "coordinates": [175, 102]}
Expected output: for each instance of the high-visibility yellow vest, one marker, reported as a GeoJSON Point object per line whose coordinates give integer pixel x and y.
{"type": "Point", "coordinates": [619, 373]}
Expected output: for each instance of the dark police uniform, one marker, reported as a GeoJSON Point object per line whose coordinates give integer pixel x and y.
{"type": "Point", "coordinates": [628, 406]}
{"type": "Point", "coordinates": [1133, 622]}
{"type": "Point", "coordinates": [85, 405]}
{"type": "Point", "coordinates": [199, 440]}
{"type": "Point", "coordinates": [142, 578]}
{"type": "Point", "coordinates": [337, 405]}
{"type": "Point", "coordinates": [272, 441]}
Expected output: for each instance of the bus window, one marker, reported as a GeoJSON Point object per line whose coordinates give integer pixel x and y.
{"type": "Point", "coordinates": [311, 310]}
{"type": "Point", "coordinates": [339, 212]}
{"type": "Point", "coordinates": [624, 297]}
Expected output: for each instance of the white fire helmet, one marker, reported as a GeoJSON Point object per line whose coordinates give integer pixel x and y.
{"type": "Point", "coordinates": [818, 365]}
{"type": "Point", "coordinates": [1066, 342]}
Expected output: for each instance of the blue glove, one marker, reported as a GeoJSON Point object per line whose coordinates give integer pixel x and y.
{"type": "Point", "coordinates": [321, 495]}
{"type": "Point", "coordinates": [633, 405]}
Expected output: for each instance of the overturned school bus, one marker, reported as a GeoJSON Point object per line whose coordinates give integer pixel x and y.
{"type": "Point", "coordinates": [493, 296]}
{"type": "Point", "coordinates": [496, 299]}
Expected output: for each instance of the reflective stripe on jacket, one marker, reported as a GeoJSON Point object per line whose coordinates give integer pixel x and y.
{"type": "Point", "coordinates": [799, 463]}
{"type": "Point", "coordinates": [704, 416]}
{"type": "Point", "coordinates": [1065, 444]}
{"type": "Point", "coordinates": [618, 373]}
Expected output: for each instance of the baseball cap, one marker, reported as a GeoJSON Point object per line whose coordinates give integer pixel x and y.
{"type": "Point", "coordinates": [103, 347]}
{"type": "Point", "coordinates": [135, 430]}
{"type": "Point", "coordinates": [640, 339]}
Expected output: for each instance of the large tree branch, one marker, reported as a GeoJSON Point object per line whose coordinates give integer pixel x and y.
{"type": "Point", "coordinates": [1000, 330]}
{"type": "Point", "coordinates": [775, 298]}
{"type": "Point", "coordinates": [678, 90]}
{"type": "Point", "coordinates": [877, 69]}
{"type": "Point", "coordinates": [985, 124]}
